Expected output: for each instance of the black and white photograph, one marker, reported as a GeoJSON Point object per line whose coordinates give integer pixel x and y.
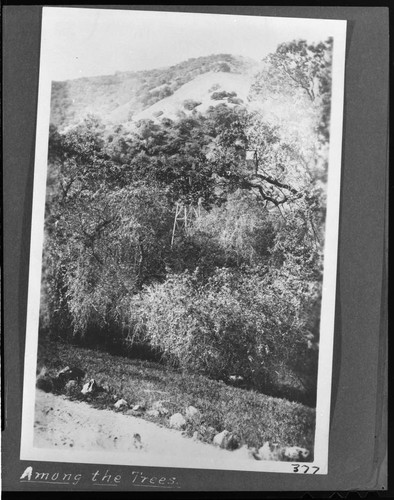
{"type": "Point", "coordinates": [183, 252]}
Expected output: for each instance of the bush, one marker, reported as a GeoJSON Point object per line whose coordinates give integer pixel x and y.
{"type": "Point", "coordinates": [241, 229]}
{"type": "Point", "coordinates": [245, 324]}
{"type": "Point", "coordinates": [222, 95]}
{"type": "Point", "coordinates": [86, 291]}
{"type": "Point", "coordinates": [223, 66]}
{"type": "Point", "coordinates": [190, 104]}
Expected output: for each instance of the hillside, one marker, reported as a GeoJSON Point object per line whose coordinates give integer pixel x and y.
{"type": "Point", "coordinates": [124, 96]}
{"type": "Point", "coordinates": [203, 91]}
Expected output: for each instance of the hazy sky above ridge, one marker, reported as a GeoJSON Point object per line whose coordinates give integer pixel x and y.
{"type": "Point", "coordinates": [87, 42]}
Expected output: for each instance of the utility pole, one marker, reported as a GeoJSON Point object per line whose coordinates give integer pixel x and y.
{"type": "Point", "coordinates": [252, 160]}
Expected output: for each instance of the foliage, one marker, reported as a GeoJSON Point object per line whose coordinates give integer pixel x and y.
{"type": "Point", "coordinates": [190, 104]}
{"type": "Point", "coordinates": [235, 323]}
{"type": "Point", "coordinates": [104, 240]}
{"type": "Point", "coordinates": [242, 228]}
{"type": "Point", "coordinates": [217, 96]}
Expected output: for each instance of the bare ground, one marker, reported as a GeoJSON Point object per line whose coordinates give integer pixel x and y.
{"type": "Point", "coordinates": [71, 425]}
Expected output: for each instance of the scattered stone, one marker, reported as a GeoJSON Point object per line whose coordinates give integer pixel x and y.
{"type": "Point", "coordinates": [91, 387]}
{"type": "Point", "coordinates": [236, 378]}
{"type": "Point", "coordinates": [70, 373]}
{"type": "Point", "coordinates": [227, 440]}
{"type": "Point", "coordinates": [269, 452]}
{"type": "Point", "coordinates": [220, 438]}
{"type": "Point", "coordinates": [44, 382]}
{"type": "Point", "coordinates": [177, 421]}
{"type": "Point", "coordinates": [71, 386]}
{"type": "Point", "coordinates": [153, 413]}
{"type": "Point", "coordinates": [193, 414]}
{"type": "Point", "coordinates": [231, 442]}
{"type": "Point", "coordinates": [158, 405]}
{"type": "Point", "coordinates": [295, 453]}
{"type": "Point", "coordinates": [120, 404]}
{"type": "Point", "coordinates": [88, 387]}
{"type": "Point", "coordinates": [139, 407]}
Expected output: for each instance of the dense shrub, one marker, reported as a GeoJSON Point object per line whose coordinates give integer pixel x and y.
{"type": "Point", "coordinates": [242, 228]}
{"type": "Point", "coordinates": [222, 95]}
{"type": "Point", "coordinates": [235, 323]}
{"type": "Point", "coordinates": [190, 104]}
{"type": "Point", "coordinates": [223, 66]}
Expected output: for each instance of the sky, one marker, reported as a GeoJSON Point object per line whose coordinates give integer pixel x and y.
{"type": "Point", "coordinates": [80, 42]}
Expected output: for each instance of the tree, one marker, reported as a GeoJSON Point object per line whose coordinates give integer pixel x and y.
{"type": "Point", "coordinates": [300, 73]}
{"type": "Point", "coordinates": [302, 65]}
{"type": "Point", "coordinates": [276, 175]}
{"type": "Point", "coordinates": [104, 239]}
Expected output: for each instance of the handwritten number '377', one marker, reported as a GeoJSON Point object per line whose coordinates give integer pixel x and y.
{"type": "Point", "coordinates": [298, 467]}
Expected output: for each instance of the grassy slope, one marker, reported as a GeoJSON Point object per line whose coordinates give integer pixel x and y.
{"type": "Point", "coordinates": [199, 89]}
{"type": "Point", "coordinates": [255, 417]}
{"type": "Point", "coordinates": [123, 92]}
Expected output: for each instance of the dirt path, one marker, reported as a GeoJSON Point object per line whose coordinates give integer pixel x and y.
{"type": "Point", "coordinates": [71, 425]}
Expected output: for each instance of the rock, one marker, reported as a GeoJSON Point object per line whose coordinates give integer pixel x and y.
{"type": "Point", "coordinates": [153, 413]}
{"type": "Point", "coordinates": [269, 452]}
{"type": "Point", "coordinates": [295, 453]}
{"type": "Point", "coordinates": [70, 373]}
{"type": "Point", "coordinates": [71, 386]}
{"type": "Point", "coordinates": [139, 407]}
{"type": "Point", "coordinates": [158, 405]}
{"type": "Point", "coordinates": [220, 438]}
{"type": "Point", "coordinates": [196, 435]}
{"type": "Point", "coordinates": [227, 440]}
{"type": "Point", "coordinates": [264, 452]}
{"type": "Point", "coordinates": [88, 387]}
{"type": "Point", "coordinates": [231, 442]}
{"type": "Point", "coordinates": [177, 421]}
{"type": "Point", "coordinates": [44, 382]}
{"type": "Point", "coordinates": [91, 387]}
{"type": "Point", "coordinates": [193, 414]}
{"type": "Point", "coordinates": [120, 404]}
{"type": "Point", "coordinates": [63, 371]}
